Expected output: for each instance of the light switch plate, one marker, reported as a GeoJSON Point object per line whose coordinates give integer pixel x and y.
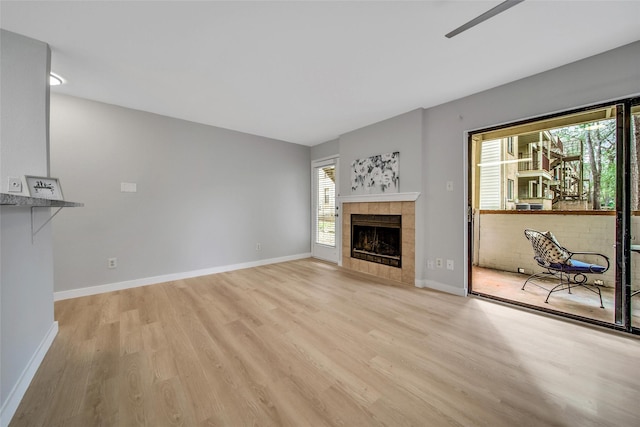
{"type": "Point", "coordinates": [128, 187]}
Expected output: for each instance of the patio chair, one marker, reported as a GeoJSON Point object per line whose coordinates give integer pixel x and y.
{"type": "Point", "coordinates": [559, 263]}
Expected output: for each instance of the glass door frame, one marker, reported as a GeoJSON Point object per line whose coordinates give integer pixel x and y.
{"type": "Point", "coordinates": [321, 251]}
{"type": "Point", "coordinates": [626, 292]}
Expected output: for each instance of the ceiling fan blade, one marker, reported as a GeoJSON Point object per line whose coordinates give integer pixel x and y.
{"type": "Point", "coordinates": [481, 18]}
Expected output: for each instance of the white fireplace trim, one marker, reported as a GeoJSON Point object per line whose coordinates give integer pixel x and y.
{"type": "Point", "coordinates": [372, 198]}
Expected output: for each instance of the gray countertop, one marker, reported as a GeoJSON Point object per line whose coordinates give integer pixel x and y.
{"type": "Point", "coordinates": [18, 200]}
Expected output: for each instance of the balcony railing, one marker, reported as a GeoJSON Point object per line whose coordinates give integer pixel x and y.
{"type": "Point", "coordinates": [500, 243]}
{"type": "Point", "coordinates": [535, 164]}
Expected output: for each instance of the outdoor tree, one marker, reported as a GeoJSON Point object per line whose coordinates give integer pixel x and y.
{"type": "Point", "coordinates": [635, 162]}
{"type": "Point", "coordinates": [600, 157]}
{"type": "Point", "coordinates": [600, 139]}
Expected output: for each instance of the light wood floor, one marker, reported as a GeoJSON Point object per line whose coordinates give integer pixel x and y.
{"type": "Point", "coordinates": [305, 343]}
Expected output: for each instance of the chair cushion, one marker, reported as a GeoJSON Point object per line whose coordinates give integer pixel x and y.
{"type": "Point", "coordinates": [554, 252]}
{"type": "Point", "coordinates": [578, 267]}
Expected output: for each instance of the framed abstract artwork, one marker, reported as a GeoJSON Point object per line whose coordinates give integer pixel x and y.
{"type": "Point", "coordinates": [376, 174]}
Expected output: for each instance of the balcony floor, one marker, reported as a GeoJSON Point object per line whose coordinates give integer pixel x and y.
{"type": "Point", "coordinates": [580, 302]}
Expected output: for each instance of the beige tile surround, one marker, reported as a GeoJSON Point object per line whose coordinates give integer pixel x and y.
{"type": "Point", "coordinates": [407, 273]}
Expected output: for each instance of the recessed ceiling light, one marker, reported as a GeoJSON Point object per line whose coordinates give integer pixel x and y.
{"type": "Point", "coordinates": [55, 80]}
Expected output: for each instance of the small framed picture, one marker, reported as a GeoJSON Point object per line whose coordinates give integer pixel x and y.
{"type": "Point", "coordinates": [44, 187]}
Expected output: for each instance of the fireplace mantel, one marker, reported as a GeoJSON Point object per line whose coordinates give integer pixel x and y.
{"type": "Point", "coordinates": [372, 198]}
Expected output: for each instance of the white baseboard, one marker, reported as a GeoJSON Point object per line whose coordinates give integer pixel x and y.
{"type": "Point", "coordinates": [15, 395]}
{"type": "Point", "coordinates": [93, 290]}
{"type": "Point", "coordinates": [432, 284]}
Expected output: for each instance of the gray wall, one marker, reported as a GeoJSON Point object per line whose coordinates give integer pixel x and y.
{"type": "Point", "coordinates": [402, 133]}
{"type": "Point", "coordinates": [324, 150]}
{"type": "Point", "coordinates": [205, 196]}
{"type": "Point", "coordinates": [26, 269]}
{"type": "Point", "coordinates": [611, 75]}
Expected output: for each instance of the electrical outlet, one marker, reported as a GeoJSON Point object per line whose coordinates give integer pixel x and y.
{"type": "Point", "coordinates": [430, 264]}
{"type": "Point", "coordinates": [520, 270]}
{"type": "Point", "coordinates": [258, 247]}
{"type": "Point", "coordinates": [449, 264]}
{"type": "Point", "coordinates": [439, 262]}
{"type": "Point", "coordinates": [112, 262]}
{"type": "Point", "coordinates": [449, 185]}
{"type": "Point", "coordinates": [15, 185]}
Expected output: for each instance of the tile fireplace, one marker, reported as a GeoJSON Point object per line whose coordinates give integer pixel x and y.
{"type": "Point", "coordinates": [378, 227]}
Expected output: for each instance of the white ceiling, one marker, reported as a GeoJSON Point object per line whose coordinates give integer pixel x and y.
{"type": "Point", "coordinates": [306, 72]}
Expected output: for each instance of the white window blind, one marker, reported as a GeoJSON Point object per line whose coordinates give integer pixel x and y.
{"type": "Point", "coordinates": [490, 175]}
{"type": "Point", "coordinates": [326, 219]}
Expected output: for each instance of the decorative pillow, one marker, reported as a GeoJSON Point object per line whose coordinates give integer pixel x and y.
{"type": "Point", "coordinates": [553, 250]}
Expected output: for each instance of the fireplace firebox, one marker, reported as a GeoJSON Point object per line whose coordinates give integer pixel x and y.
{"type": "Point", "coordinates": [377, 238]}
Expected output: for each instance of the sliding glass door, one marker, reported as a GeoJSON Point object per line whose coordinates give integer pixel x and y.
{"type": "Point", "coordinates": [573, 178]}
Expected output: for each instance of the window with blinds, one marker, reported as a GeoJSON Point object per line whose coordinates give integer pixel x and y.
{"type": "Point", "coordinates": [490, 175]}
{"type": "Point", "coordinates": [326, 199]}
